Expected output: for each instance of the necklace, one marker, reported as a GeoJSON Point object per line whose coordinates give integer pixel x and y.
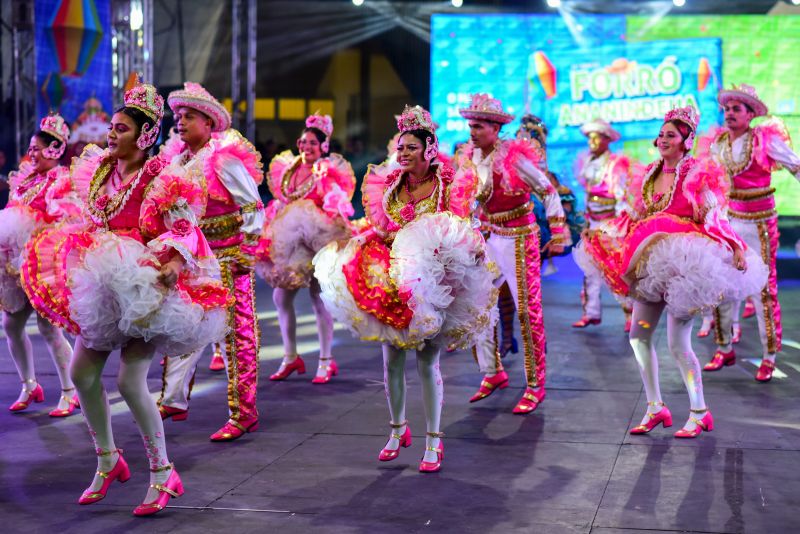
{"type": "Point", "coordinates": [668, 170]}
{"type": "Point", "coordinates": [417, 181]}
{"type": "Point", "coordinates": [409, 211]}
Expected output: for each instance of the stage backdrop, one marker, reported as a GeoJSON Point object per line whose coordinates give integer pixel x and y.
{"type": "Point", "coordinates": [73, 55]}
{"type": "Point", "coordinates": [624, 69]}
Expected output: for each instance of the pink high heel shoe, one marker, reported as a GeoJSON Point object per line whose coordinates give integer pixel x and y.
{"type": "Point", "coordinates": [489, 384]}
{"type": "Point", "coordinates": [387, 455]}
{"type": "Point", "coordinates": [35, 395]}
{"type": "Point", "coordinates": [433, 467]}
{"type": "Point", "coordinates": [173, 487]}
{"type": "Point", "coordinates": [661, 417]}
{"type": "Point", "coordinates": [120, 472]}
{"type": "Point", "coordinates": [331, 370]}
{"type": "Point", "coordinates": [706, 423]}
{"type": "Point", "coordinates": [217, 361]}
{"type": "Point", "coordinates": [297, 365]}
{"type": "Point", "coordinates": [73, 403]}
{"type": "Point", "coordinates": [176, 414]}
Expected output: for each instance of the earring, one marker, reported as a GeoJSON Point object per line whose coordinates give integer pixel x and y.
{"type": "Point", "coordinates": [54, 150]}
{"type": "Point", "coordinates": [148, 137]}
{"type": "Point", "coordinates": [432, 150]}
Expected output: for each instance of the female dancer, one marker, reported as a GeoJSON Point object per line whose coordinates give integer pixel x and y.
{"type": "Point", "coordinates": [417, 279]}
{"type": "Point", "coordinates": [115, 292]}
{"type": "Point", "coordinates": [312, 203]}
{"type": "Point", "coordinates": [676, 251]}
{"type": "Point", "coordinates": [41, 195]}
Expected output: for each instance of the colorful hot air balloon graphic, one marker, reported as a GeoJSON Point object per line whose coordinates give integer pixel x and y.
{"type": "Point", "coordinates": [76, 33]}
{"type": "Point", "coordinates": [546, 73]}
{"type": "Point", "coordinates": [703, 74]}
{"type": "Point", "coordinates": [53, 91]}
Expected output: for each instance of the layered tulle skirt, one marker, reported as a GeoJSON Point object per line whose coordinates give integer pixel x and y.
{"type": "Point", "coordinates": [289, 242]}
{"type": "Point", "coordinates": [432, 284]}
{"type": "Point", "coordinates": [106, 287]}
{"type": "Point", "coordinates": [670, 259]}
{"type": "Point", "coordinates": [17, 225]}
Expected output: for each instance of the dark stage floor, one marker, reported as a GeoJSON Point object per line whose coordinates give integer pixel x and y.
{"type": "Point", "coordinates": [570, 467]}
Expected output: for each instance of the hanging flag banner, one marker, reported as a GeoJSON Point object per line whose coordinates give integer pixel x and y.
{"type": "Point", "coordinates": [73, 55]}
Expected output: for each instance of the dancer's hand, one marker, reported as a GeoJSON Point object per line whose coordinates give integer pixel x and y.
{"type": "Point", "coordinates": [738, 259]}
{"type": "Point", "coordinates": [170, 272]}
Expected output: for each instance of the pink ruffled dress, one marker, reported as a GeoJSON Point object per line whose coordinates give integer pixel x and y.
{"type": "Point", "coordinates": [303, 217]}
{"type": "Point", "coordinates": [36, 202]}
{"type": "Point", "coordinates": [100, 279]}
{"type": "Point", "coordinates": [677, 247]}
{"type": "Point", "coordinates": [418, 274]}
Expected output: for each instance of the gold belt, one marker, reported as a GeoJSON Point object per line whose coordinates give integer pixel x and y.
{"type": "Point", "coordinates": [752, 215]}
{"type": "Point", "coordinates": [751, 194]}
{"type": "Point", "coordinates": [221, 226]}
{"type": "Point", "coordinates": [511, 231]}
{"type": "Point", "coordinates": [510, 215]}
{"type": "Point", "coordinates": [602, 200]}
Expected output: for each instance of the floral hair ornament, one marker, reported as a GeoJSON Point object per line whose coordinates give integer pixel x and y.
{"type": "Point", "coordinates": [54, 125]}
{"type": "Point", "coordinates": [690, 117]}
{"type": "Point", "coordinates": [418, 118]}
{"type": "Point", "coordinates": [324, 124]}
{"type": "Point", "coordinates": [195, 96]}
{"type": "Point", "coordinates": [482, 107]}
{"type": "Point", "coordinates": [146, 99]}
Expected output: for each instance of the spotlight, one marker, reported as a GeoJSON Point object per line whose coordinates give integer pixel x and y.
{"type": "Point", "coordinates": [358, 2]}
{"type": "Point", "coordinates": [554, 3]}
{"type": "Point", "coordinates": [459, 3]}
{"type": "Point", "coordinates": [679, 3]}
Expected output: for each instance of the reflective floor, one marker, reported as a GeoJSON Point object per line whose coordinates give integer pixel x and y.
{"type": "Point", "coordinates": [312, 467]}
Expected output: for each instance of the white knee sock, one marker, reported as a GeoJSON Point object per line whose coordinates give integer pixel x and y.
{"type": "Point", "coordinates": [679, 334]}
{"type": "Point", "coordinates": [287, 320]}
{"type": "Point", "coordinates": [643, 324]}
{"type": "Point", "coordinates": [432, 395]}
{"type": "Point", "coordinates": [135, 360]}
{"type": "Point", "coordinates": [394, 380]}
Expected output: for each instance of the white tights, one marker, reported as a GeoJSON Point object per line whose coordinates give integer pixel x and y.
{"type": "Point", "coordinates": [284, 302]}
{"type": "Point", "coordinates": [394, 379]}
{"type": "Point", "coordinates": [679, 341]}
{"type": "Point", "coordinates": [86, 370]}
{"type": "Point", "coordinates": [19, 345]}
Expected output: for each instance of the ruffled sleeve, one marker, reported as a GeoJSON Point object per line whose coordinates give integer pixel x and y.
{"type": "Point", "coordinates": [238, 166]}
{"type": "Point", "coordinates": [15, 178]}
{"type": "Point", "coordinates": [706, 188]}
{"type": "Point", "coordinates": [338, 183]}
{"type": "Point", "coordinates": [520, 163]}
{"type": "Point", "coordinates": [62, 201]}
{"type": "Point", "coordinates": [279, 165]}
{"type": "Point", "coordinates": [171, 209]}
{"type": "Point", "coordinates": [774, 138]}
{"type": "Point", "coordinates": [376, 181]}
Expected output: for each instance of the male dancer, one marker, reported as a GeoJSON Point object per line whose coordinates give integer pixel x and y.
{"type": "Point", "coordinates": [214, 153]}
{"type": "Point", "coordinates": [507, 175]}
{"type": "Point", "coordinates": [750, 155]}
{"type": "Point", "coordinates": [605, 177]}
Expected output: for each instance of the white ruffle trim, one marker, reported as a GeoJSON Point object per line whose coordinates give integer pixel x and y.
{"type": "Point", "coordinates": [439, 259]}
{"type": "Point", "coordinates": [694, 274]}
{"type": "Point", "coordinates": [296, 234]}
{"type": "Point", "coordinates": [17, 225]}
{"type": "Point", "coordinates": [116, 298]}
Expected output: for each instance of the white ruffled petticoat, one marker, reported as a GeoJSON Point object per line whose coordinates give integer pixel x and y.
{"type": "Point", "coordinates": [17, 225]}
{"type": "Point", "coordinates": [297, 233]}
{"type": "Point", "coordinates": [439, 259]}
{"type": "Point", "coordinates": [694, 274]}
{"type": "Point", "coordinates": [116, 296]}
